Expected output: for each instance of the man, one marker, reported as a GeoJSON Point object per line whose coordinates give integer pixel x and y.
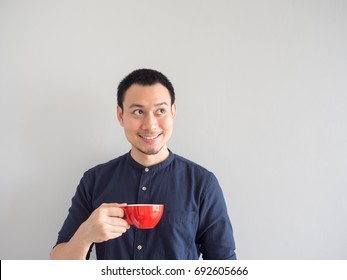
{"type": "Point", "coordinates": [195, 219]}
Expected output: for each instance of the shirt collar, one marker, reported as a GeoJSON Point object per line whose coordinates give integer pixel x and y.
{"type": "Point", "coordinates": [155, 167]}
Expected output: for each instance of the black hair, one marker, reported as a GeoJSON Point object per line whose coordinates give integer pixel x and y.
{"type": "Point", "coordinates": [144, 77]}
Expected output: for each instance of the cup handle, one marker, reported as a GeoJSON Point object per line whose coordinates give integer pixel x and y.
{"type": "Point", "coordinates": [126, 218]}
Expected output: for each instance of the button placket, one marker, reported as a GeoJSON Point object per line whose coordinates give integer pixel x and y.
{"type": "Point", "coordinates": [139, 243]}
{"type": "Point", "coordinates": [143, 193]}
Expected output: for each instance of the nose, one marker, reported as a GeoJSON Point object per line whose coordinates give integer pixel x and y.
{"type": "Point", "coordinates": [149, 122]}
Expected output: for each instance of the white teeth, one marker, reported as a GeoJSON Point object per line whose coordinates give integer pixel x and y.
{"type": "Point", "coordinates": [149, 137]}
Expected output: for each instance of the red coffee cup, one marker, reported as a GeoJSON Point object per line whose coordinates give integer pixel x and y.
{"type": "Point", "coordinates": [144, 216]}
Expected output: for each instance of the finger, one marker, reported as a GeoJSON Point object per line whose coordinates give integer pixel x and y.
{"type": "Point", "coordinates": [117, 222]}
{"type": "Point", "coordinates": [116, 212]}
{"type": "Point", "coordinates": [116, 231]}
{"type": "Point", "coordinates": [111, 232]}
{"type": "Point", "coordinates": [112, 211]}
{"type": "Point", "coordinates": [114, 204]}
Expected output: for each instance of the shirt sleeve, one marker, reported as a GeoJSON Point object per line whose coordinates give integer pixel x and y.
{"type": "Point", "coordinates": [215, 233]}
{"type": "Point", "coordinates": [79, 211]}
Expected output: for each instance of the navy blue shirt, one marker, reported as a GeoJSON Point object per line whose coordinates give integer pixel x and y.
{"type": "Point", "coordinates": [195, 219]}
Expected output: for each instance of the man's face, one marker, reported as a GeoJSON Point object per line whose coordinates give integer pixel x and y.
{"type": "Point", "coordinates": [147, 118]}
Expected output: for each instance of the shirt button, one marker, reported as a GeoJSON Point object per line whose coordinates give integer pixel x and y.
{"type": "Point", "coordinates": [139, 247]}
{"type": "Point", "coordinates": [144, 188]}
{"type": "Point", "coordinates": [146, 169]}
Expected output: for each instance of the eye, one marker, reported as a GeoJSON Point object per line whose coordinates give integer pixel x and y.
{"type": "Point", "coordinates": [161, 111]}
{"type": "Point", "coordinates": [138, 112]}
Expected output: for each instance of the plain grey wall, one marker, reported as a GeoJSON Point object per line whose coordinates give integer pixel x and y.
{"type": "Point", "coordinates": [261, 95]}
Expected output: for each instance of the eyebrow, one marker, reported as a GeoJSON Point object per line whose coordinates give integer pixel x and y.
{"type": "Point", "coordinates": [136, 105]}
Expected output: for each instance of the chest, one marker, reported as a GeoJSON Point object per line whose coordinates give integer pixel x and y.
{"type": "Point", "coordinates": [175, 191]}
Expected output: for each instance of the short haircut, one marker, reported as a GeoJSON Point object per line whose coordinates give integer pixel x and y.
{"type": "Point", "coordinates": [144, 77]}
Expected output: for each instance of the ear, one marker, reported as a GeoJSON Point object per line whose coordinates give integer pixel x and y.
{"type": "Point", "coordinates": [120, 115]}
{"type": "Point", "coordinates": [173, 110]}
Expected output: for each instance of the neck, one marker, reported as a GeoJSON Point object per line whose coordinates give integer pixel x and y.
{"type": "Point", "coordinates": [149, 160]}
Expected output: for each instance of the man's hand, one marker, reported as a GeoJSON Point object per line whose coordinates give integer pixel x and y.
{"type": "Point", "coordinates": [104, 223]}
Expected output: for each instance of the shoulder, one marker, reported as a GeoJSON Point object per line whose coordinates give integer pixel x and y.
{"type": "Point", "coordinates": [197, 176]}
{"type": "Point", "coordinates": [106, 167]}
{"type": "Point", "coordinates": [191, 166]}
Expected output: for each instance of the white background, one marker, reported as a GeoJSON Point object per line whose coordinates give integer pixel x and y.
{"type": "Point", "coordinates": [175, 270]}
{"type": "Point", "coordinates": [261, 96]}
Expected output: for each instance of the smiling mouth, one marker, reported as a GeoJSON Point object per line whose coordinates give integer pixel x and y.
{"type": "Point", "coordinates": [149, 137]}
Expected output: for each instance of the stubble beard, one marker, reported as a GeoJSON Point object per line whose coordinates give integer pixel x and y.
{"type": "Point", "coordinates": [150, 151]}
